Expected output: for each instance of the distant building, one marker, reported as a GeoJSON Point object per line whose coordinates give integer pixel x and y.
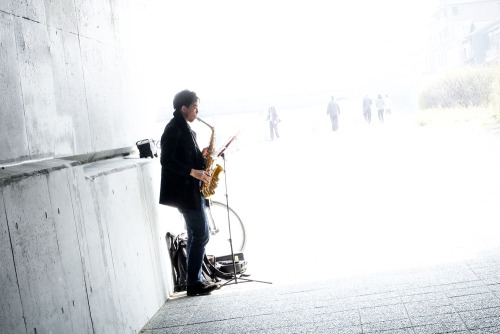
{"type": "Point", "coordinates": [482, 46]}
{"type": "Point", "coordinates": [464, 32]}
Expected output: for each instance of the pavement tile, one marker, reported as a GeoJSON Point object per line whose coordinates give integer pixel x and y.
{"type": "Point", "coordinates": [485, 323]}
{"type": "Point", "coordinates": [294, 318]}
{"type": "Point", "coordinates": [443, 327]}
{"type": "Point", "coordinates": [415, 291]}
{"type": "Point", "coordinates": [462, 284]}
{"type": "Point", "coordinates": [406, 330]}
{"type": "Point", "coordinates": [430, 310]}
{"type": "Point", "coordinates": [336, 305]}
{"type": "Point", "coordinates": [340, 319]}
{"type": "Point", "coordinates": [327, 296]}
{"type": "Point", "coordinates": [432, 319]}
{"type": "Point", "coordinates": [488, 274]}
{"type": "Point", "coordinates": [222, 313]}
{"type": "Point", "coordinates": [467, 290]}
{"type": "Point", "coordinates": [481, 318]}
{"type": "Point", "coordinates": [240, 325]}
{"type": "Point", "coordinates": [461, 274]}
{"type": "Point", "coordinates": [419, 282]}
{"type": "Point", "coordinates": [288, 330]}
{"type": "Point", "coordinates": [369, 289]}
{"type": "Point", "coordinates": [162, 331]}
{"type": "Point", "coordinates": [390, 293]}
{"type": "Point", "coordinates": [491, 330]}
{"type": "Point", "coordinates": [284, 306]}
{"type": "Point", "coordinates": [383, 326]}
{"type": "Point", "coordinates": [475, 302]}
{"type": "Point", "coordinates": [383, 313]}
{"type": "Point", "coordinates": [495, 288]}
{"type": "Point", "coordinates": [485, 260]}
{"type": "Point", "coordinates": [278, 320]}
{"type": "Point", "coordinates": [379, 302]}
{"type": "Point", "coordinates": [332, 328]}
{"type": "Point", "coordinates": [422, 297]}
{"type": "Point", "coordinates": [162, 320]}
{"type": "Point", "coordinates": [492, 280]}
{"type": "Point", "coordinates": [426, 331]}
{"type": "Point", "coordinates": [429, 307]}
{"type": "Point", "coordinates": [488, 271]}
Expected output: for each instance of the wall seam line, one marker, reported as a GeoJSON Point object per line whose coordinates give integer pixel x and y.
{"type": "Point", "coordinates": [14, 262]}
{"type": "Point", "coordinates": [21, 87]}
{"type": "Point", "coordinates": [83, 72]}
{"type": "Point", "coordinates": [73, 205]}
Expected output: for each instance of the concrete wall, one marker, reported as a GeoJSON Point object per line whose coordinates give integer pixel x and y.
{"type": "Point", "coordinates": [66, 81]}
{"type": "Point", "coordinates": [82, 249]}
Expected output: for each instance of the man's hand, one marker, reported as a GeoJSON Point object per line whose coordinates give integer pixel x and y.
{"type": "Point", "coordinates": [200, 175]}
{"type": "Point", "coordinates": [205, 152]}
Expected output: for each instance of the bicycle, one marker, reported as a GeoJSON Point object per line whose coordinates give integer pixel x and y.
{"type": "Point", "coordinates": [216, 213]}
{"type": "Point", "coordinates": [217, 218]}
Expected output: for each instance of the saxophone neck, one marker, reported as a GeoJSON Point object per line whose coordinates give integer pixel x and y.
{"type": "Point", "coordinates": [199, 119]}
{"type": "Point", "coordinates": [212, 137]}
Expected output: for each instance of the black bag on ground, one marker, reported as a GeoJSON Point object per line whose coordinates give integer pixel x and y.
{"type": "Point", "coordinates": [177, 249]}
{"type": "Point", "coordinates": [212, 269]}
{"type": "Point", "coordinates": [224, 265]}
{"type": "Point", "coordinates": [147, 148]}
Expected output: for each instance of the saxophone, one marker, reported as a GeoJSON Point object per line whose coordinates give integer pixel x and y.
{"type": "Point", "coordinates": [208, 189]}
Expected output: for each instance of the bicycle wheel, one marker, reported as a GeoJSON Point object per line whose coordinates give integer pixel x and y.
{"type": "Point", "coordinates": [217, 215]}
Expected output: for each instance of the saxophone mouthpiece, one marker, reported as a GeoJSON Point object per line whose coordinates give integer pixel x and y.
{"type": "Point", "coordinates": [199, 119]}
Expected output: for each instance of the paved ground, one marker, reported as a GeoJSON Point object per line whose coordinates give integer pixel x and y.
{"type": "Point", "coordinates": [462, 297]}
{"type": "Point", "coordinates": [387, 228]}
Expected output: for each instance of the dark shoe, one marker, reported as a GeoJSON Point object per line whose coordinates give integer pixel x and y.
{"type": "Point", "coordinates": [217, 285]}
{"type": "Point", "coordinates": [200, 289]}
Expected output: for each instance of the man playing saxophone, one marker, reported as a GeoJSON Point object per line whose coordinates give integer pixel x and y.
{"type": "Point", "coordinates": [182, 175]}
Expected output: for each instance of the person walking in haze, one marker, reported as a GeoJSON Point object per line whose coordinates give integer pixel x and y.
{"type": "Point", "coordinates": [272, 117]}
{"type": "Point", "coordinates": [388, 105]}
{"type": "Point", "coordinates": [380, 108]}
{"type": "Point", "coordinates": [333, 110]}
{"type": "Point", "coordinates": [182, 173]}
{"type": "Point", "coordinates": [367, 109]}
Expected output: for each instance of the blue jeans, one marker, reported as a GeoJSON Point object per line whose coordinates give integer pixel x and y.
{"type": "Point", "coordinates": [198, 236]}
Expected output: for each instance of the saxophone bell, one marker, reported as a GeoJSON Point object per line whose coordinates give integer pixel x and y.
{"type": "Point", "coordinates": [208, 189]}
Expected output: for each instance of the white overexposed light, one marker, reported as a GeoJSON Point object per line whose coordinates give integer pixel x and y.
{"type": "Point", "coordinates": [242, 49]}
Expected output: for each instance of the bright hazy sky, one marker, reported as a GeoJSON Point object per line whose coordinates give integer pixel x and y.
{"type": "Point", "coordinates": [263, 48]}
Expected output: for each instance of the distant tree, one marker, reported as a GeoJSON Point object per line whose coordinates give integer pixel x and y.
{"type": "Point", "coordinates": [463, 88]}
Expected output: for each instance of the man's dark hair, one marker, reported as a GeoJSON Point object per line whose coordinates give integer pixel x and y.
{"type": "Point", "coordinates": [184, 98]}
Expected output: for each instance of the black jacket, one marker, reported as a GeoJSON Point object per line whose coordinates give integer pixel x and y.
{"type": "Point", "coordinates": [179, 154]}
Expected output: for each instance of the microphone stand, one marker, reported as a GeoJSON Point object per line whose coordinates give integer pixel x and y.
{"type": "Point", "coordinates": [235, 278]}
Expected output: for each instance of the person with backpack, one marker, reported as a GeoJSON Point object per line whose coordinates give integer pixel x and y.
{"type": "Point", "coordinates": [182, 174]}
{"type": "Point", "coordinates": [273, 118]}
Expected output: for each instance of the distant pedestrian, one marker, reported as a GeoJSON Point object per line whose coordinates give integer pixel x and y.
{"type": "Point", "coordinates": [367, 109]}
{"type": "Point", "coordinates": [333, 110]}
{"type": "Point", "coordinates": [380, 108]}
{"type": "Point", "coordinates": [273, 118]}
{"type": "Point", "coordinates": [388, 105]}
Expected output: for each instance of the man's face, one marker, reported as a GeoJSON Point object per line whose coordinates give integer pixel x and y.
{"type": "Point", "coordinates": [191, 112]}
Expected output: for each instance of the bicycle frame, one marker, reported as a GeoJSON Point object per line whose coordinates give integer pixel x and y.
{"type": "Point", "coordinates": [210, 219]}
{"type": "Point", "coordinates": [217, 220]}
